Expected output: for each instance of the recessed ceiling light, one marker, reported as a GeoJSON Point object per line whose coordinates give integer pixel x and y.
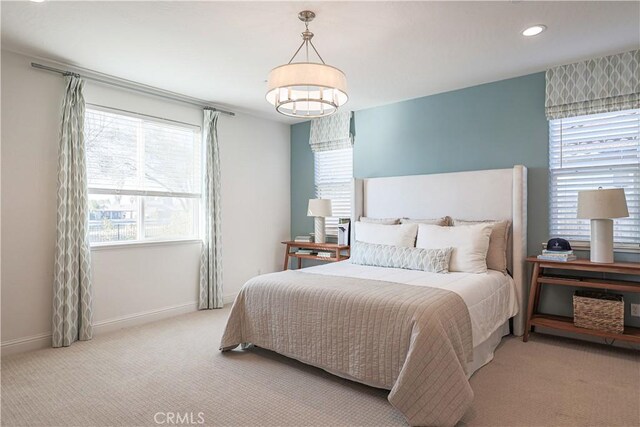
{"type": "Point", "coordinates": [37, 1]}
{"type": "Point", "coordinates": [534, 30]}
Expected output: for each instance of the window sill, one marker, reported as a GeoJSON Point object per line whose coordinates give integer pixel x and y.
{"type": "Point", "coordinates": [586, 246]}
{"type": "Point", "coordinates": [138, 244]}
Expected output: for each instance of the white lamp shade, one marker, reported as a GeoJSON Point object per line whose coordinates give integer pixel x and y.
{"type": "Point", "coordinates": [319, 207]}
{"type": "Point", "coordinates": [307, 74]}
{"type": "Point", "coordinates": [306, 89]}
{"type": "Point", "coordinates": [602, 204]}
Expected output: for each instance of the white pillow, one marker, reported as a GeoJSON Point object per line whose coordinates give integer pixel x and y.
{"type": "Point", "coordinates": [469, 242]}
{"type": "Point", "coordinates": [498, 242]}
{"type": "Point", "coordinates": [395, 235]}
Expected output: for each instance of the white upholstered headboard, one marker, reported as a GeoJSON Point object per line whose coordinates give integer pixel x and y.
{"type": "Point", "coordinates": [474, 195]}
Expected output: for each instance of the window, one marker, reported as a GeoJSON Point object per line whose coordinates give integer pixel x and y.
{"type": "Point", "coordinates": [143, 177]}
{"type": "Point", "coordinates": [333, 177]}
{"type": "Point", "coordinates": [587, 152]}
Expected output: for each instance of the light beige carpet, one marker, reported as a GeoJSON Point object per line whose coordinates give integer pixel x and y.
{"type": "Point", "coordinates": [173, 366]}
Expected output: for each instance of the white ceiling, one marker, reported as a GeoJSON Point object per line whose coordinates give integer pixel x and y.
{"type": "Point", "coordinates": [390, 51]}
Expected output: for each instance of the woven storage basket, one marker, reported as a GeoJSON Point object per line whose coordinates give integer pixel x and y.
{"type": "Point", "coordinates": [598, 310]}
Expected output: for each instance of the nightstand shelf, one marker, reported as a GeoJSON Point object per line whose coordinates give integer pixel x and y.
{"type": "Point", "coordinates": [541, 278]}
{"type": "Point", "coordinates": [612, 285]}
{"type": "Point", "coordinates": [563, 323]}
{"type": "Point", "coordinates": [337, 250]}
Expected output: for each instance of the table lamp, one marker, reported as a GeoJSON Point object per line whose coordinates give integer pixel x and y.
{"type": "Point", "coordinates": [319, 208]}
{"type": "Point", "coordinates": [600, 206]}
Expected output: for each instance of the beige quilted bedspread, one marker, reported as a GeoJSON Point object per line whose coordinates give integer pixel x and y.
{"type": "Point", "coordinates": [413, 340]}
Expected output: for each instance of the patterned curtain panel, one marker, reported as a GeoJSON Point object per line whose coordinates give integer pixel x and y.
{"type": "Point", "coordinates": [332, 133]}
{"type": "Point", "coordinates": [598, 85]}
{"type": "Point", "coordinates": [211, 258]}
{"type": "Point", "coordinates": [72, 290]}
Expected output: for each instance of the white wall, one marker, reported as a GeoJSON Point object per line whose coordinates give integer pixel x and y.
{"type": "Point", "coordinates": [137, 283]}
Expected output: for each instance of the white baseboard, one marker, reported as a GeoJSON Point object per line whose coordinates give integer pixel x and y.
{"type": "Point", "coordinates": [141, 318]}
{"type": "Point", "coordinates": [40, 341]}
{"type": "Point", "coordinates": [229, 298]}
{"type": "Point", "coordinates": [20, 345]}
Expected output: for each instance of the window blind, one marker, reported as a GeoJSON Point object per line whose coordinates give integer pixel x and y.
{"type": "Point", "coordinates": [134, 155]}
{"type": "Point", "coordinates": [587, 152]}
{"type": "Point", "coordinates": [333, 178]}
{"type": "Point", "coordinates": [144, 177]}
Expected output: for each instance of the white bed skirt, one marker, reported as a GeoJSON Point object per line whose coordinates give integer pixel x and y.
{"type": "Point", "coordinates": [483, 352]}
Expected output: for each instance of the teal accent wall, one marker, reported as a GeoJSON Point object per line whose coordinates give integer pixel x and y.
{"type": "Point", "coordinates": [490, 126]}
{"type": "Point", "coordinates": [302, 180]}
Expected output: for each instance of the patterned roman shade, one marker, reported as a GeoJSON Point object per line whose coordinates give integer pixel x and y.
{"type": "Point", "coordinates": [600, 85]}
{"type": "Point", "coordinates": [332, 133]}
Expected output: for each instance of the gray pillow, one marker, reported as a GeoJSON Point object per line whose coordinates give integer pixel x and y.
{"type": "Point", "coordinates": [431, 260]}
{"type": "Point", "coordinates": [383, 221]}
{"type": "Point", "coordinates": [443, 222]}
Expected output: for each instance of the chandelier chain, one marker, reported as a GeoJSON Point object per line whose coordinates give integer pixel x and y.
{"type": "Point", "coordinates": [306, 40]}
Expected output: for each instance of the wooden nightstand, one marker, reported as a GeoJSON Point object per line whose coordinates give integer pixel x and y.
{"type": "Point", "coordinates": [329, 247]}
{"type": "Point", "coordinates": [541, 277]}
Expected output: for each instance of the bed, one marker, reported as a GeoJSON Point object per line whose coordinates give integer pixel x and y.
{"type": "Point", "coordinates": [420, 335]}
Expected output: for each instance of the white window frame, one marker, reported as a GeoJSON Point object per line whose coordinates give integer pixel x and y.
{"type": "Point", "coordinates": [556, 168]}
{"type": "Point", "coordinates": [323, 190]}
{"type": "Point", "coordinates": [140, 239]}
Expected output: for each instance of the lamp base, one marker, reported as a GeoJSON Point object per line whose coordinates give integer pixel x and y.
{"type": "Point", "coordinates": [602, 241]}
{"type": "Point", "coordinates": [320, 236]}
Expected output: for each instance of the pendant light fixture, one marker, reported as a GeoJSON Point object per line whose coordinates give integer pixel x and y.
{"type": "Point", "coordinates": [307, 89]}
